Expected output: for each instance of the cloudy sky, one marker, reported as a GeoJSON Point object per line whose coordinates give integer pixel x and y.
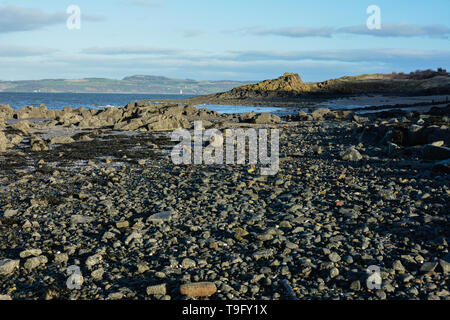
{"type": "Point", "coordinates": [216, 39]}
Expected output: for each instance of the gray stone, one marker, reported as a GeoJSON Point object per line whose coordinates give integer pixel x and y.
{"type": "Point", "coordinates": [7, 266]}
{"type": "Point", "coordinates": [351, 154]}
{"type": "Point", "coordinates": [334, 272]}
{"type": "Point", "coordinates": [188, 263]}
{"type": "Point", "coordinates": [429, 267]}
{"type": "Point", "coordinates": [334, 257]}
{"type": "Point", "coordinates": [161, 217]}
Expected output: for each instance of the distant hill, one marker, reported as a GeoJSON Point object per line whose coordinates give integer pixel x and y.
{"type": "Point", "coordinates": [135, 84]}
{"type": "Point", "coordinates": [289, 88]}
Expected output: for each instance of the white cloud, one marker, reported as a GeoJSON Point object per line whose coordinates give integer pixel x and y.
{"type": "Point", "coordinates": [400, 30]}
{"type": "Point", "coordinates": [24, 51]}
{"type": "Point", "coordinates": [130, 50]}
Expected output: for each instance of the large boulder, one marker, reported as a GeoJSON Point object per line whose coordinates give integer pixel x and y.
{"type": "Point", "coordinates": [266, 118]}
{"type": "Point", "coordinates": [303, 116]}
{"type": "Point", "coordinates": [344, 114]}
{"type": "Point", "coordinates": [435, 153]}
{"type": "Point", "coordinates": [37, 144]}
{"type": "Point", "coordinates": [259, 118]}
{"type": "Point", "coordinates": [247, 117]}
{"type": "Point", "coordinates": [351, 154]}
{"type": "Point", "coordinates": [190, 110]}
{"type": "Point", "coordinates": [321, 114]}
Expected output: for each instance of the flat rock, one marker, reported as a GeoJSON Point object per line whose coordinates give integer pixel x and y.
{"type": "Point", "coordinates": [160, 217]}
{"type": "Point", "coordinates": [431, 152]}
{"type": "Point", "coordinates": [200, 289]}
{"type": "Point", "coordinates": [429, 267]}
{"type": "Point", "coordinates": [30, 253]}
{"type": "Point", "coordinates": [351, 154]}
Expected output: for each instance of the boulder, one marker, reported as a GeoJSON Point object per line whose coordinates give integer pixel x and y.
{"type": "Point", "coordinates": [37, 144]}
{"type": "Point", "coordinates": [266, 118]}
{"type": "Point", "coordinates": [351, 154]}
{"type": "Point", "coordinates": [344, 114]}
{"type": "Point", "coordinates": [6, 111]}
{"type": "Point", "coordinates": [431, 152]}
{"type": "Point", "coordinates": [61, 140]}
{"type": "Point", "coordinates": [303, 116]}
{"type": "Point", "coordinates": [190, 110]}
{"type": "Point", "coordinates": [259, 118]}
{"type": "Point", "coordinates": [7, 266]}
{"type": "Point", "coordinates": [321, 114]}
{"type": "Point", "coordinates": [247, 117]}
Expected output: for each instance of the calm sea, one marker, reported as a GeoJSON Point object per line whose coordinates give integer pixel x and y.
{"type": "Point", "coordinates": [96, 100]}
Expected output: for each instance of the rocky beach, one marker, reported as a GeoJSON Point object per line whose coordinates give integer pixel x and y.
{"type": "Point", "coordinates": [96, 191]}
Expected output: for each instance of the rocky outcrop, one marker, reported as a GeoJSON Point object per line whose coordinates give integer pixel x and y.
{"type": "Point", "coordinates": [35, 113]}
{"type": "Point", "coordinates": [290, 89]}
{"type": "Point", "coordinates": [259, 118]}
{"type": "Point", "coordinates": [6, 112]}
{"type": "Point", "coordinates": [148, 117]}
{"type": "Point", "coordinates": [425, 132]}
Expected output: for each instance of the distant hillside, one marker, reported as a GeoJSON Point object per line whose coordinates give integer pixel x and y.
{"type": "Point", "coordinates": [291, 88]}
{"type": "Point", "coordinates": [134, 84]}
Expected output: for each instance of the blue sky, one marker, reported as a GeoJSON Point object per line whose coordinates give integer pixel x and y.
{"type": "Point", "coordinates": [215, 40]}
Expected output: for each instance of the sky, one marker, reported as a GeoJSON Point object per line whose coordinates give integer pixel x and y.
{"type": "Point", "coordinates": [220, 40]}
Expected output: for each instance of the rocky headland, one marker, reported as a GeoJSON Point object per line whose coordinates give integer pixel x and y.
{"type": "Point", "coordinates": [290, 90]}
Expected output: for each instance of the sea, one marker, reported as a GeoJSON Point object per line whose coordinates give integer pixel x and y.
{"type": "Point", "coordinates": [58, 101]}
